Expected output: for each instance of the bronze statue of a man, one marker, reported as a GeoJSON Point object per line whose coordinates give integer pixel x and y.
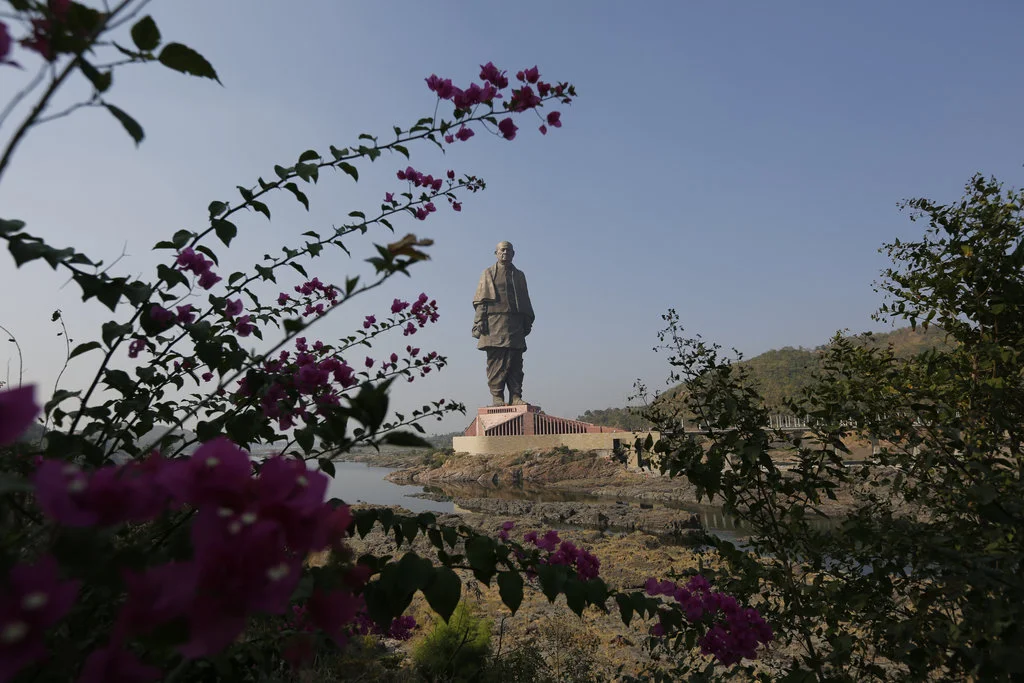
{"type": "Point", "coordinates": [504, 317]}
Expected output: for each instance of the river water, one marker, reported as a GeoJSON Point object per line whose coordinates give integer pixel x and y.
{"type": "Point", "coordinates": [357, 482]}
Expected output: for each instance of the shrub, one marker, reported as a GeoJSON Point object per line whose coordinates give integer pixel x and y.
{"type": "Point", "coordinates": [456, 650]}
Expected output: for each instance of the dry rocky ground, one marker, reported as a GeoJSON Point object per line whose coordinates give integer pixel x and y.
{"type": "Point", "coordinates": [607, 512]}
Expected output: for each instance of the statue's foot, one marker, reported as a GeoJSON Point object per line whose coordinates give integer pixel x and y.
{"type": "Point", "coordinates": [517, 401]}
{"type": "Point", "coordinates": [498, 400]}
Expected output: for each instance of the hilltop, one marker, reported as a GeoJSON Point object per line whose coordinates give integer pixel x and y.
{"type": "Point", "coordinates": [784, 372]}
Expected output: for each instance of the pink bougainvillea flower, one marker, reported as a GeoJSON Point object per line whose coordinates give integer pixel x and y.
{"type": "Point", "coordinates": [186, 314]}
{"type": "Point", "coordinates": [233, 308]}
{"type": "Point", "coordinates": [397, 306]}
{"type": "Point", "coordinates": [555, 119]}
{"type": "Point", "coordinates": [161, 315]}
{"type": "Point", "coordinates": [464, 133]}
{"type": "Point", "coordinates": [330, 612]}
{"type": "Point", "coordinates": [543, 130]}
{"type": "Point", "coordinates": [218, 473]}
{"type": "Point", "coordinates": [34, 599]}
{"type": "Point", "coordinates": [492, 74]}
{"type": "Point", "coordinates": [208, 279]}
{"type": "Point", "coordinates": [549, 541]}
{"type": "Point", "coordinates": [17, 410]}
{"type": "Point", "coordinates": [5, 46]}
{"type": "Point", "coordinates": [531, 75]}
{"type": "Point", "coordinates": [442, 86]}
{"type": "Point", "coordinates": [524, 98]}
{"type": "Point", "coordinates": [508, 128]}
{"type": "Point", "coordinates": [244, 326]}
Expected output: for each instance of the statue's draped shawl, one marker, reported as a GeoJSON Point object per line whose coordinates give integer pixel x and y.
{"type": "Point", "coordinates": [499, 326]}
{"type": "Point", "coordinates": [486, 290]}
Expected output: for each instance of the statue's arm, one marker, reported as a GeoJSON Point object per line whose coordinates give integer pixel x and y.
{"type": "Point", "coordinates": [528, 320]}
{"type": "Point", "coordinates": [479, 319]}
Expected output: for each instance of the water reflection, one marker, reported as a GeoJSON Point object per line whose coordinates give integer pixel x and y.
{"type": "Point", "coordinates": [356, 482]}
{"type": "Point", "coordinates": [712, 517]}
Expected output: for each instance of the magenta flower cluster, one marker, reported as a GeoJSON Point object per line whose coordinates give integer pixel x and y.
{"type": "Point", "coordinates": [318, 297]}
{"type": "Point", "coordinates": [34, 600]}
{"type": "Point", "coordinates": [495, 80]}
{"type": "Point", "coordinates": [420, 179]}
{"type": "Point", "coordinates": [194, 262]}
{"type": "Point", "coordinates": [400, 628]}
{"type": "Point", "coordinates": [735, 633]}
{"type": "Point", "coordinates": [566, 553]}
{"type": "Point", "coordinates": [49, 24]}
{"type": "Point", "coordinates": [308, 381]}
{"type": "Point", "coordinates": [249, 536]}
{"type": "Point", "coordinates": [303, 384]}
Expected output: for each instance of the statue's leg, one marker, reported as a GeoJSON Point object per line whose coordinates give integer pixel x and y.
{"type": "Point", "coordinates": [497, 369]}
{"type": "Point", "coordinates": [515, 377]}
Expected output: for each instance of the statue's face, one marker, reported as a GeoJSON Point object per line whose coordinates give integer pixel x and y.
{"type": "Point", "coordinates": [504, 252]}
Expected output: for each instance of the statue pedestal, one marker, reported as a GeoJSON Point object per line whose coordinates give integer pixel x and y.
{"type": "Point", "coordinates": [514, 429]}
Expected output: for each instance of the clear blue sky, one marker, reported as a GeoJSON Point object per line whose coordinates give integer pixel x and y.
{"type": "Point", "coordinates": [741, 162]}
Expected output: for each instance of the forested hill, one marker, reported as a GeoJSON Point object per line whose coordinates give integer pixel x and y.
{"type": "Point", "coordinates": [784, 372]}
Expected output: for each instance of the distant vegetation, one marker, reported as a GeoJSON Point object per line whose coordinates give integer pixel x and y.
{"type": "Point", "coordinates": [623, 418]}
{"type": "Point", "coordinates": [785, 372]}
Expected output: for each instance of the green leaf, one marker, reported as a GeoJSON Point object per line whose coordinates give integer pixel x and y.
{"type": "Point", "coordinates": [443, 592]}
{"type": "Point", "coordinates": [181, 238]}
{"type": "Point", "coordinates": [365, 519]}
{"type": "Point", "coordinates": [130, 125]}
{"type": "Point", "coordinates": [172, 276]}
{"type": "Point", "coordinates": [625, 608]}
{"type": "Point", "coordinates": [350, 169]}
{"type": "Point", "coordinates": [575, 596]}
{"type": "Point", "coordinates": [145, 34]}
{"type": "Point", "coordinates": [186, 60]}
{"type": "Point", "coordinates": [58, 397]}
{"type": "Point", "coordinates": [225, 230]}
{"type": "Point", "coordinates": [217, 208]}
{"type": "Point", "coordinates": [24, 250]}
{"type": "Point", "coordinates": [100, 80]}
{"type": "Point", "coordinates": [261, 207]}
{"type": "Point", "coordinates": [309, 155]}
{"type": "Point", "coordinates": [294, 189]}
{"type": "Point", "coordinates": [405, 439]}
{"type": "Point", "coordinates": [417, 572]}
{"type": "Point", "coordinates": [481, 556]}
{"type": "Point", "coordinates": [552, 580]}
{"type": "Point", "coordinates": [327, 466]}
{"type": "Point", "coordinates": [10, 226]}
{"type": "Point", "coordinates": [83, 348]}
{"type": "Point", "coordinates": [510, 587]}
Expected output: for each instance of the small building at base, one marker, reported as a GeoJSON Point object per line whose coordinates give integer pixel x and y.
{"type": "Point", "coordinates": [499, 430]}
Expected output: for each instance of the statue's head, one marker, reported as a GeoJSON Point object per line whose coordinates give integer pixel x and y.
{"type": "Point", "coordinates": [504, 252]}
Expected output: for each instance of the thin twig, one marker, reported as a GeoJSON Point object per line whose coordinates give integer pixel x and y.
{"type": "Point", "coordinates": [21, 364]}
{"type": "Point", "coordinates": [93, 102]}
{"type": "Point", "coordinates": [22, 95]}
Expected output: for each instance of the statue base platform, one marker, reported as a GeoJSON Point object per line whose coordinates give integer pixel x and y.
{"type": "Point", "coordinates": [498, 430]}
